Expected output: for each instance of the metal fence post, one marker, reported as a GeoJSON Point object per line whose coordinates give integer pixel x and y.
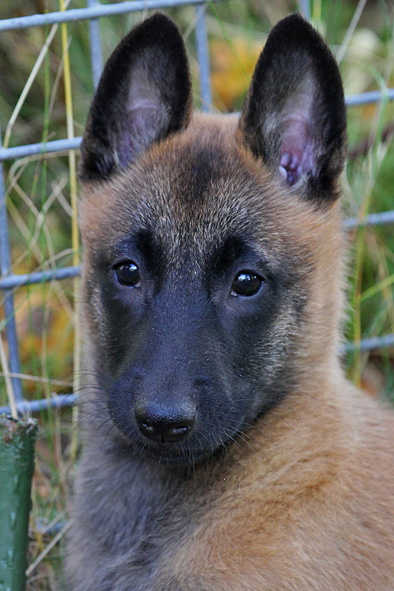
{"type": "Point", "coordinates": [8, 301]}
{"type": "Point", "coordinates": [203, 59]}
{"type": "Point", "coordinates": [95, 45]}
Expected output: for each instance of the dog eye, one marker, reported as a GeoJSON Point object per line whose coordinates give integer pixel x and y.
{"type": "Point", "coordinates": [127, 273]}
{"type": "Point", "coordinates": [246, 284]}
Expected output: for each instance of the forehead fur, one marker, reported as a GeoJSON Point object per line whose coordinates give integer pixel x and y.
{"type": "Point", "coordinates": [200, 187]}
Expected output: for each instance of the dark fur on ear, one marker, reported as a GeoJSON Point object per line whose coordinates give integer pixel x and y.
{"type": "Point", "coordinates": [294, 117]}
{"type": "Point", "coordinates": [144, 95]}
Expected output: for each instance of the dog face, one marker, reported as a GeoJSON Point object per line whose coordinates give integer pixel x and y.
{"type": "Point", "coordinates": [211, 276]}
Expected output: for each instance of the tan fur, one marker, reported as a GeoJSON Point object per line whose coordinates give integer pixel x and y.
{"type": "Point", "coordinates": [304, 499]}
{"type": "Point", "coordinates": [311, 488]}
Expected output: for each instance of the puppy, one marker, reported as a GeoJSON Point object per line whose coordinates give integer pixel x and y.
{"type": "Point", "coordinates": [225, 449]}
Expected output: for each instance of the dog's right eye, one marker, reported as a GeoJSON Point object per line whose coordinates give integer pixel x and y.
{"type": "Point", "coordinates": [246, 284]}
{"type": "Point", "coordinates": [127, 273]}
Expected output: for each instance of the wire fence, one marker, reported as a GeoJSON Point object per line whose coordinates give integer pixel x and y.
{"type": "Point", "coordinates": [9, 280]}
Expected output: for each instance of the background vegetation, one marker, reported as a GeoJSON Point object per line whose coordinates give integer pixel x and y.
{"type": "Point", "coordinates": [41, 214]}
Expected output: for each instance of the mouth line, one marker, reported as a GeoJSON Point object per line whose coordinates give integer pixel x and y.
{"type": "Point", "coordinates": [185, 458]}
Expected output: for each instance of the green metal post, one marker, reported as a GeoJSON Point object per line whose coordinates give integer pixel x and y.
{"type": "Point", "coordinates": [16, 471]}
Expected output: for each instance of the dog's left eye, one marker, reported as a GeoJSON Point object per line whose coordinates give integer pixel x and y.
{"type": "Point", "coordinates": [127, 273]}
{"type": "Point", "coordinates": [246, 284]}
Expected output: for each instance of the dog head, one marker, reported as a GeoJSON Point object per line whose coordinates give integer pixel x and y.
{"type": "Point", "coordinates": [212, 271]}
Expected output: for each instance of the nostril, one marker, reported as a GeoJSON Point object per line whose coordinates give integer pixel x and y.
{"type": "Point", "coordinates": [147, 429]}
{"type": "Point", "coordinates": [163, 427]}
{"type": "Point", "coordinates": [179, 432]}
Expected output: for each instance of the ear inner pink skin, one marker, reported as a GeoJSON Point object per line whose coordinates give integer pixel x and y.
{"type": "Point", "coordinates": [297, 154]}
{"type": "Point", "coordinates": [146, 116]}
{"type": "Point", "coordinates": [297, 151]}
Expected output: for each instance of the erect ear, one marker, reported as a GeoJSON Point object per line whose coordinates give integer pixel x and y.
{"type": "Point", "coordinates": [294, 116]}
{"type": "Point", "coordinates": [144, 95]}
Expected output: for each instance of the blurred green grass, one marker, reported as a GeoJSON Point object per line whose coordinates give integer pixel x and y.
{"type": "Point", "coordinates": [38, 198]}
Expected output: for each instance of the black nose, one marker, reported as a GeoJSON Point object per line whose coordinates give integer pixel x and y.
{"type": "Point", "coordinates": [165, 425]}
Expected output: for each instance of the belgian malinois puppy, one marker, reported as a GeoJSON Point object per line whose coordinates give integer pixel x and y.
{"type": "Point", "coordinates": [225, 451]}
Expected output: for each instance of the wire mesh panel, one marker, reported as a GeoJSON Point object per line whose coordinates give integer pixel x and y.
{"type": "Point", "coordinates": [10, 281]}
